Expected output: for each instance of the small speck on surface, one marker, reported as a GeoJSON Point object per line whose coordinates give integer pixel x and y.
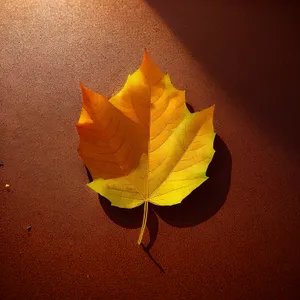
{"type": "Point", "coordinates": [1, 164]}
{"type": "Point", "coordinates": [28, 228]}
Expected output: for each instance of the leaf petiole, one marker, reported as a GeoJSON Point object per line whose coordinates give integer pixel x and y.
{"type": "Point", "coordinates": [145, 216]}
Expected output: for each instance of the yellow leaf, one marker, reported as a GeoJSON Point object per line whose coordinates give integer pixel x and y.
{"type": "Point", "coordinates": [143, 145]}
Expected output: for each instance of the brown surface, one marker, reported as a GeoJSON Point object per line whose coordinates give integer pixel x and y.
{"type": "Point", "coordinates": [242, 57]}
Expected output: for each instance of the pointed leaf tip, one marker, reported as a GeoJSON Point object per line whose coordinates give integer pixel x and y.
{"type": "Point", "coordinates": [150, 71]}
{"type": "Point", "coordinates": [146, 54]}
{"type": "Point", "coordinates": [82, 86]}
{"type": "Point", "coordinates": [85, 92]}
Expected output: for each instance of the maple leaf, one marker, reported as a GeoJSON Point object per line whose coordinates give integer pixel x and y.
{"type": "Point", "coordinates": [143, 145]}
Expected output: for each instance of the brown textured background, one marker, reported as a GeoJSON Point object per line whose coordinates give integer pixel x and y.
{"type": "Point", "coordinates": [241, 55]}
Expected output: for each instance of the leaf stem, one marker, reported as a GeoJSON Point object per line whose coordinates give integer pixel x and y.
{"type": "Point", "coordinates": [145, 216]}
